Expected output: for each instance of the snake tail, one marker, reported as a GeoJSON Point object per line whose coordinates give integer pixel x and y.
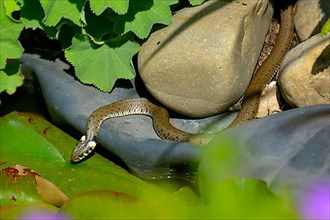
{"type": "Point", "coordinates": [265, 73]}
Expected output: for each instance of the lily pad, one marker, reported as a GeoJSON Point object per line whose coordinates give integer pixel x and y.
{"type": "Point", "coordinates": [108, 205]}
{"type": "Point", "coordinates": [29, 140]}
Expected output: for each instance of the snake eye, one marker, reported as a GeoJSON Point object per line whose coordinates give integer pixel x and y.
{"type": "Point", "coordinates": [83, 139]}
{"type": "Point", "coordinates": [89, 150]}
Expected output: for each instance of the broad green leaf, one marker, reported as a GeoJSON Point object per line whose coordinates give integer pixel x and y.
{"type": "Point", "coordinates": [66, 34]}
{"type": "Point", "coordinates": [98, 26]}
{"type": "Point", "coordinates": [11, 6]}
{"type": "Point", "coordinates": [32, 14]}
{"type": "Point", "coordinates": [22, 211]}
{"type": "Point", "coordinates": [17, 189]}
{"type": "Point", "coordinates": [142, 15]}
{"type": "Point", "coordinates": [20, 2]}
{"type": "Point", "coordinates": [251, 197]}
{"type": "Point", "coordinates": [30, 141]}
{"type": "Point", "coordinates": [102, 65]}
{"type": "Point", "coordinates": [10, 78]}
{"type": "Point", "coordinates": [9, 33]}
{"type": "Point", "coordinates": [94, 204]}
{"type": "Point", "coordinates": [21, 141]}
{"type": "Point", "coordinates": [182, 204]}
{"type": "Point", "coordinates": [223, 197]}
{"type": "Point", "coordinates": [108, 205]}
{"type": "Point", "coordinates": [56, 10]}
{"type": "Point", "coordinates": [98, 6]}
{"type": "Point", "coordinates": [219, 160]}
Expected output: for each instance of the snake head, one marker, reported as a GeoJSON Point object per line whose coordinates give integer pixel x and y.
{"type": "Point", "coordinates": [84, 147]}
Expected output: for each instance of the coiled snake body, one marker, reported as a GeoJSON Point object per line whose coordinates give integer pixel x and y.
{"type": "Point", "coordinates": [160, 116]}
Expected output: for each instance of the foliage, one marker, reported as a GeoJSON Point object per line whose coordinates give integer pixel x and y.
{"type": "Point", "coordinates": [10, 48]}
{"type": "Point", "coordinates": [30, 141]}
{"type": "Point", "coordinates": [97, 188]}
{"type": "Point", "coordinates": [326, 28]}
{"type": "Point", "coordinates": [97, 36]}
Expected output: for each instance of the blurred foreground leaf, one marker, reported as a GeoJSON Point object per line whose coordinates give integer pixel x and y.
{"type": "Point", "coordinates": [98, 188]}
{"type": "Point", "coordinates": [21, 185]}
{"type": "Point", "coordinates": [31, 141]}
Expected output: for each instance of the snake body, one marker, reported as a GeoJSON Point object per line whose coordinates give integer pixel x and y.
{"type": "Point", "coordinates": [266, 71]}
{"type": "Point", "coordinates": [160, 116]}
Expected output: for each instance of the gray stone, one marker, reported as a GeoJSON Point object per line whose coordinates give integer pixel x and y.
{"type": "Point", "coordinates": [304, 77]}
{"type": "Point", "coordinates": [291, 147]}
{"type": "Point", "coordinates": [310, 17]}
{"type": "Point", "coordinates": [201, 64]}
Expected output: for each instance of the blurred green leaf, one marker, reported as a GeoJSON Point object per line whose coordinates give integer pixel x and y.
{"type": "Point", "coordinates": [251, 197]}
{"type": "Point", "coordinates": [16, 211]}
{"type": "Point", "coordinates": [219, 160]}
{"type": "Point", "coordinates": [224, 196]}
{"type": "Point", "coordinates": [17, 189]}
{"type": "Point", "coordinates": [104, 204]}
{"type": "Point", "coordinates": [326, 28]}
{"type": "Point", "coordinates": [182, 204]}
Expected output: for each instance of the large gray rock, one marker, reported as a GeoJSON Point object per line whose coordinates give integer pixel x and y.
{"type": "Point", "coordinates": [304, 77]}
{"type": "Point", "coordinates": [202, 62]}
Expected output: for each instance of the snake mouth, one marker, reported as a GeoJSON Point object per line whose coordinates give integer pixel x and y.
{"type": "Point", "coordinates": [82, 155]}
{"type": "Point", "coordinates": [82, 150]}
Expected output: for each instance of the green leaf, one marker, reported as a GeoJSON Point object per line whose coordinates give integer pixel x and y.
{"type": "Point", "coordinates": [31, 141]}
{"type": "Point", "coordinates": [56, 10]}
{"type": "Point", "coordinates": [182, 204]}
{"type": "Point", "coordinates": [22, 210]}
{"type": "Point", "coordinates": [223, 197]}
{"type": "Point", "coordinates": [10, 6]}
{"type": "Point", "coordinates": [17, 189]}
{"type": "Point", "coordinates": [178, 205]}
{"type": "Point", "coordinates": [113, 205]}
{"type": "Point", "coordinates": [98, 6]}
{"type": "Point", "coordinates": [9, 33]}
{"type": "Point", "coordinates": [22, 140]}
{"type": "Point", "coordinates": [251, 197]}
{"type": "Point", "coordinates": [32, 14]}
{"type": "Point", "coordinates": [98, 26]}
{"type": "Point", "coordinates": [102, 65]}
{"type": "Point", "coordinates": [326, 28]}
{"type": "Point", "coordinates": [142, 15]}
{"type": "Point", "coordinates": [10, 78]}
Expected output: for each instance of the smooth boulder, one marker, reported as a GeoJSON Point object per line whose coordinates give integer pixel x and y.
{"type": "Point", "coordinates": [304, 77]}
{"type": "Point", "coordinates": [201, 64]}
{"type": "Point", "coordinates": [318, 12]}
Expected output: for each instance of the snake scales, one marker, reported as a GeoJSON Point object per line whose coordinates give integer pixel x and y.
{"type": "Point", "coordinates": [160, 116]}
